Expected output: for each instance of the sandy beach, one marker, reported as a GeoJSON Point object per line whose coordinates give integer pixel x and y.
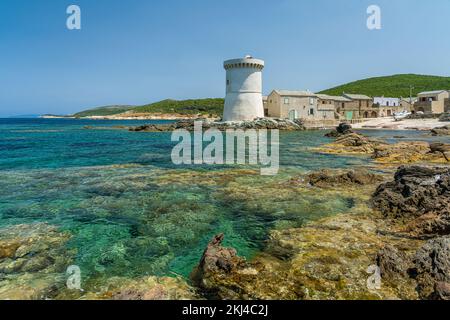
{"type": "Point", "coordinates": [405, 124]}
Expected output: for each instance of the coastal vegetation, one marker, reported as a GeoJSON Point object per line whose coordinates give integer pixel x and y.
{"type": "Point", "coordinates": [104, 111]}
{"type": "Point", "coordinates": [209, 106]}
{"type": "Point", "coordinates": [399, 85]}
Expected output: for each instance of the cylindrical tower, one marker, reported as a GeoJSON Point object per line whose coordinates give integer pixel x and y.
{"type": "Point", "coordinates": [244, 89]}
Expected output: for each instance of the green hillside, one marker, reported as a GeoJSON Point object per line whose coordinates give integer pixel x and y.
{"type": "Point", "coordinates": [103, 111]}
{"type": "Point", "coordinates": [193, 106]}
{"type": "Point", "coordinates": [392, 86]}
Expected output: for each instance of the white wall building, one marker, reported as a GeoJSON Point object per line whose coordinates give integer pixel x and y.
{"type": "Point", "coordinates": [386, 102]}
{"type": "Point", "coordinates": [243, 99]}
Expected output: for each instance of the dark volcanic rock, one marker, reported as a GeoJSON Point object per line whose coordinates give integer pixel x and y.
{"type": "Point", "coordinates": [342, 129]}
{"type": "Point", "coordinates": [419, 193]}
{"type": "Point", "coordinates": [326, 178]}
{"type": "Point", "coordinates": [441, 291]}
{"type": "Point", "coordinates": [392, 263]}
{"type": "Point", "coordinates": [432, 269]}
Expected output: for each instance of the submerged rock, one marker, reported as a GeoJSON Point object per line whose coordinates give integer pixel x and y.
{"type": "Point", "coordinates": [432, 269]}
{"type": "Point", "coordinates": [418, 194]}
{"type": "Point", "coordinates": [33, 259]}
{"type": "Point", "coordinates": [326, 178]}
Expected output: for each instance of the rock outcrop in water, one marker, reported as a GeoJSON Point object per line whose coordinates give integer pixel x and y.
{"type": "Point", "coordinates": [419, 195]}
{"type": "Point", "coordinates": [217, 266]}
{"type": "Point", "coordinates": [441, 131]}
{"type": "Point", "coordinates": [263, 123]}
{"type": "Point", "coordinates": [342, 129]}
{"type": "Point", "coordinates": [328, 178]}
{"type": "Point", "coordinates": [349, 142]}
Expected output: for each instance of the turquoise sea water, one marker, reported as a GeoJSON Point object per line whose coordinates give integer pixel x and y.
{"type": "Point", "coordinates": [131, 212]}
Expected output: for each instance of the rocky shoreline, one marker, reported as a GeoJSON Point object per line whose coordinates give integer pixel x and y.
{"type": "Point", "coordinates": [352, 143]}
{"type": "Point", "coordinates": [399, 222]}
{"type": "Point", "coordinates": [262, 123]}
{"type": "Point", "coordinates": [328, 259]}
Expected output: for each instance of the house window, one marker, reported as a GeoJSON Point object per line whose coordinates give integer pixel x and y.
{"type": "Point", "coordinates": [286, 100]}
{"type": "Point", "coordinates": [387, 103]}
{"type": "Point", "coordinates": [311, 111]}
{"type": "Point", "coordinates": [228, 82]}
{"type": "Point", "coordinates": [311, 101]}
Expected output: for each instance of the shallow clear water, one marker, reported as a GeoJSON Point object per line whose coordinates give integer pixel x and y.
{"type": "Point", "coordinates": [131, 212]}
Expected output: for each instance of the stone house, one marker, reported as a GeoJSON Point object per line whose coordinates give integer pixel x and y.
{"type": "Point", "coordinates": [339, 103]}
{"type": "Point", "coordinates": [432, 101]}
{"type": "Point", "coordinates": [298, 104]}
{"type": "Point", "coordinates": [360, 106]}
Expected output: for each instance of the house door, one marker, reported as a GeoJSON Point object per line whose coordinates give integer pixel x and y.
{"type": "Point", "coordinates": [349, 115]}
{"type": "Point", "coordinates": [293, 114]}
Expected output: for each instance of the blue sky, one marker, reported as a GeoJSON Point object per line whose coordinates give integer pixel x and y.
{"type": "Point", "coordinates": [140, 51]}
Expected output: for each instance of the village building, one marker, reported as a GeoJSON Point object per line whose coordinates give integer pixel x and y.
{"type": "Point", "coordinates": [407, 104]}
{"type": "Point", "coordinates": [387, 106]}
{"type": "Point", "coordinates": [432, 101]}
{"type": "Point", "coordinates": [359, 107]}
{"type": "Point", "coordinates": [338, 102]}
{"type": "Point", "coordinates": [298, 104]}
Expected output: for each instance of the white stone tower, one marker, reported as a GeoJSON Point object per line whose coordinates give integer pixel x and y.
{"type": "Point", "coordinates": [244, 89]}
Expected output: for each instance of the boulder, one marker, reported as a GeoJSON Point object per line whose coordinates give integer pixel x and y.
{"type": "Point", "coordinates": [392, 262]}
{"type": "Point", "coordinates": [214, 274]}
{"type": "Point", "coordinates": [418, 194]}
{"type": "Point", "coordinates": [432, 269]}
{"type": "Point", "coordinates": [342, 129]}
